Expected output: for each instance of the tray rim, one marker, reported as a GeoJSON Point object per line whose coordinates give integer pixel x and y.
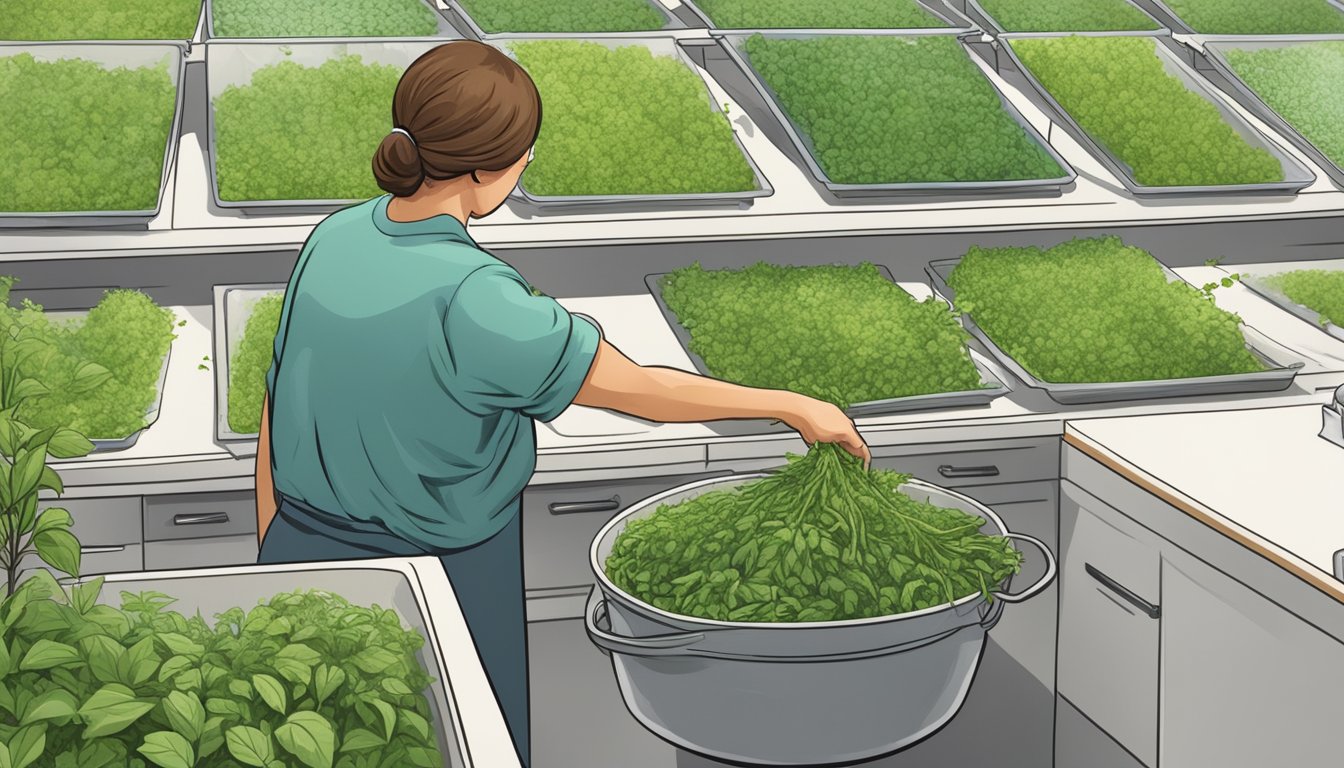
{"type": "Point", "coordinates": [763, 186]}
{"type": "Point", "coordinates": [76, 219]}
{"type": "Point", "coordinates": [801, 144]}
{"type": "Point", "coordinates": [996, 386]}
{"type": "Point", "coordinates": [1249, 98]}
{"type": "Point", "coordinates": [1198, 85]}
{"type": "Point", "coordinates": [1091, 392]}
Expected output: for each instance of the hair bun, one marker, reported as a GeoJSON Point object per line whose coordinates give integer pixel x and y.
{"type": "Point", "coordinates": [397, 166]}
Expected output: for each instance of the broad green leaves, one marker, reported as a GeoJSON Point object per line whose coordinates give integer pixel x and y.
{"type": "Point", "coordinates": [309, 737]}
{"type": "Point", "coordinates": [111, 709]}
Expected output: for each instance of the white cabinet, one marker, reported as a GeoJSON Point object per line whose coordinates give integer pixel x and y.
{"type": "Point", "coordinates": [1245, 683]}
{"type": "Point", "coordinates": [1110, 614]}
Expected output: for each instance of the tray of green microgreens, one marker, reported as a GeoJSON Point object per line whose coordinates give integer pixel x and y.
{"type": "Point", "coordinates": [246, 320]}
{"type": "Point", "coordinates": [1095, 320]}
{"type": "Point", "coordinates": [849, 335]}
{"type": "Point", "coordinates": [1293, 84]}
{"type": "Point", "coordinates": [891, 114]}
{"type": "Point", "coordinates": [1148, 116]}
{"type": "Point", "coordinates": [486, 18]}
{"type": "Point", "coordinates": [296, 19]}
{"type": "Point", "coordinates": [1251, 17]}
{"type": "Point", "coordinates": [1027, 17]}
{"type": "Point", "coordinates": [1315, 295]}
{"type": "Point", "coordinates": [796, 15]}
{"type": "Point", "coordinates": [629, 121]}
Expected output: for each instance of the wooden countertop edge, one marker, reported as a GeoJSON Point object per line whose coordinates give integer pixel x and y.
{"type": "Point", "coordinates": [1295, 565]}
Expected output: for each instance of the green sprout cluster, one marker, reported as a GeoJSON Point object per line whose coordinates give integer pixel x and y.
{"type": "Point", "coordinates": [1119, 91]}
{"type": "Point", "coordinates": [843, 334]}
{"type": "Point", "coordinates": [812, 14]}
{"type": "Point", "coordinates": [895, 109]}
{"type": "Point", "coordinates": [250, 362]}
{"type": "Point", "coordinates": [1319, 290]}
{"type": "Point", "coordinates": [563, 15]}
{"type": "Point", "coordinates": [302, 680]}
{"type": "Point", "coordinates": [121, 20]}
{"type": "Point", "coordinates": [626, 122]}
{"type": "Point", "coordinates": [1097, 310]}
{"type": "Point", "coordinates": [1067, 15]}
{"type": "Point", "coordinates": [303, 133]}
{"type": "Point", "coordinates": [823, 539]}
{"type": "Point", "coordinates": [323, 18]}
{"type": "Point", "coordinates": [106, 155]}
{"type": "Point", "coordinates": [1304, 84]}
{"type": "Point", "coordinates": [127, 334]}
{"type": "Point", "coordinates": [1257, 17]}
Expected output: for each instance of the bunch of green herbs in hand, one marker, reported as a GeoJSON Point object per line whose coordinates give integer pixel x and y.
{"type": "Point", "coordinates": [1097, 310]}
{"type": "Point", "coordinates": [842, 334]}
{"type": "Point", "coordinates": [1319, 290]}
{"type": "Point", "coordinates": [823, 539]}
{"type": "Point", "coordinates": [304, 680]}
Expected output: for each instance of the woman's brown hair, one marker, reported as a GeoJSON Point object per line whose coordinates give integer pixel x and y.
{"type": "Point", "coordinates": [467, 107]}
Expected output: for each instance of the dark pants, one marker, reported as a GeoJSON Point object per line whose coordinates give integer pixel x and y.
{"type": "Point", "coordinates": [487, 579]}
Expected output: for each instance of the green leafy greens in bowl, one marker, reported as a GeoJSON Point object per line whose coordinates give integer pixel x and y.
{"type": "Point", "coordinates": [1097, 310]}
{"type": "Point", "coordinates": [823, 539]}
{"type": "Point", "coordinates": [1118, 90]}
{"type": "Point", "coordinates": [843, 334]}
{"type": "Point", "coordinates": [896, 109]}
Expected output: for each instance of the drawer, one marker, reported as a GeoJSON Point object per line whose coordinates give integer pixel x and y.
{"type": "Point", "coordinates": [1109, 621]}
{"type": "Point", "coordinates": [1027, 630]}
{"type": "Point", "coordinates": [103, 522]}
{"type": "Point", "coordinates": [213, 552]}
{"type": "Point", "coordinates": [560, 522]}
{"type": "Point", "coordinates": [200, 515]}
{"type": "Point", "coordinates": [96, 559]}
{"type": "Point", "coordinates": [960, 465]}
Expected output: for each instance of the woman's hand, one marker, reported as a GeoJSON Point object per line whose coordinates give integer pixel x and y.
{"type": "Point", "coordinates": [821, 422]}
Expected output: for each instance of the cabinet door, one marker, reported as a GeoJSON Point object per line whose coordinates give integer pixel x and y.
{"type": "Point", "coordinates": [1244, 682]}
{"type": "Point", "coordinates": [1109, 621]}
{"type": "Point", "coordinates": [214, 552]}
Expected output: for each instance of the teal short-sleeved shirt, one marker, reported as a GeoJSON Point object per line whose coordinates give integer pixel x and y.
{"type": "Point", "coordinates": [409, 368]}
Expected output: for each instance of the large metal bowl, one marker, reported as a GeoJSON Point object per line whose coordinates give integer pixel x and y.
{"type": "Point", "coordinates": [814, 693]}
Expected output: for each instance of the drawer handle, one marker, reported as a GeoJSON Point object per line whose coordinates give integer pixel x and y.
{"type": "Point", "coordinates": [203, 518]}
{"type": "Point", "coordinates": [989, 470]}
{"type": "Point", "coordinates": [579, 507]}
{"type": "Point", "coordinates": [1153, 611]}
{"type": "Point", "coordinates": [101, 550]}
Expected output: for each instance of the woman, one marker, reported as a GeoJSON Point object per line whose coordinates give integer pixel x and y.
{"type": "Point", "coordinates": [410, 366]}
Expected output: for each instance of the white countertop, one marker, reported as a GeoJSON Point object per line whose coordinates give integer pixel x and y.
{"type": "Point", "coordinates": [1264, 473]}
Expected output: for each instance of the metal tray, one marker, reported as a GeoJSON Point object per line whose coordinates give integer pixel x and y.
{"type": "Point", "coordinates": [661, 44]}
{"type": "Point", "coordinates": [994, 387]}
{"type": "Point", "coordinates": [232, 307]}
{"type": "Point", "coordinates": [1296, 176]}
{"type": "Point", "coordinates": [1277, 297]}
{"type": "Point", "coordinates": [394, 585]}
{"type": "Point", "coordinates": [235, 62]}
{"type": "Point", "coordinates": [446, 29]}
{"type": "Point", "coordinates": [734, 45]}
{"type": "Point", "coordinates": [1277, 378]}
{"type": "Point", "coordinates": [1170, 20]}
{"type": "Point", "coordinates": [1248, 98]}
{"type": "Point", "coordinates": [938, 8]}
{"type": "Point", "coordinates": [468, 25]}
{"type": "Point", "coordinates": [977, 13]}
{"type": "Point", "coordinates": [110, 55]}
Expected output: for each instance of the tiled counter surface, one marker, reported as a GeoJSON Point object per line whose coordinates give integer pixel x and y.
{"type": "Point", "coordinates": [179, 455]}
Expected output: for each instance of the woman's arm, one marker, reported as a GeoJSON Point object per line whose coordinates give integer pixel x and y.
{"type": "Point", "coordinates": [617, 383]}
{"type": "Point", "coordinates": [265, 485]}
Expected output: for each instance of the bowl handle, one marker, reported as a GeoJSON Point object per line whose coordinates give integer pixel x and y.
{"type": "Point", "coordinates": [656, 645]}
{"type": "Point", "coordinates": [1050, 569]}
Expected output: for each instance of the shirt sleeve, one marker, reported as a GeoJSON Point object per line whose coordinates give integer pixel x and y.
{"type": "Point", "coordinates": [511, 350]}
